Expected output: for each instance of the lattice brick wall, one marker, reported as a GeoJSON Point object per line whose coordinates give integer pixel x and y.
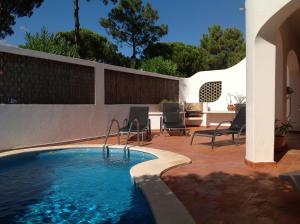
{"type": "Point", "coordinates": [30, 80]}
{"type": "Point", "coordinates": [210, 92]}
{"type": "Point", "coordinates": [128, 88]}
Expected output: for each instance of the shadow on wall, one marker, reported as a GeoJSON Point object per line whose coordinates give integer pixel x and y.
{"type": "Point", "coordinates": [224, 198]}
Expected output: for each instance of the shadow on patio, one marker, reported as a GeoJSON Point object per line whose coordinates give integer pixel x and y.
{"type": "Point", "coordinates": [231, 198]}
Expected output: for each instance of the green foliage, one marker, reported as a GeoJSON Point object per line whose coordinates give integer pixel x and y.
{"type": "Point", "coordinates": [105, 2]}
{"type": "Point", "coordinates": [189, 59]}
{"type": "Point", "coordinates": [77, 39]}
{"type": "Point", "coordinates": [133, 23]}
{"type": "Point", "coordinates": [96, 47]}
{"type": "Point", "coordinates": [50, 43]}
{"type": "Point", "coordinates": [223, 48]}
{"type": "Point", "coordinates": [219, 49]}
{"type": "Point", "coordinates": [282, 128]}
{"type": "Point", "coordinates": [160, 65]}
{"type": "Point", "coordinates": [239, 98]}
{"type": "Point", "coordinates": [10, 9]}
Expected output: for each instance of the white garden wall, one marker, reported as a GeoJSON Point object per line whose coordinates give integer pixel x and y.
{"type": "Point", "coordinates": [233, 81]}
{"type": "Point", "coordinates": [25, 125]}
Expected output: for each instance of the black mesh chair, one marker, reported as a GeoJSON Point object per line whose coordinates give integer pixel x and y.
{"type": "Point", "coordinates": [238, 126]}
{"type": "Point", "coordinates": [138, 121]}
{"type": "Point", "coordinates": [172, 119]}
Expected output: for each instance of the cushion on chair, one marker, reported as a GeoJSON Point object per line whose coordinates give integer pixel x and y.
{"type": "Point", "coordinates": [193, 109]}
{"type": "Point", "coordinates": [193, 106]}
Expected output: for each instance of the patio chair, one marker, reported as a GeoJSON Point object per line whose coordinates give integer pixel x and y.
{"type": "Point", "coordinates": [138, 122]}
{"type": "Point", "coordinates": [172, 119]}
{"type": "Point", "coordinates": [238, 125]}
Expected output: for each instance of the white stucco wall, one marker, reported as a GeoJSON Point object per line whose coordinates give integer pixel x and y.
{"type": "Point", "coordinates": [233, 82]}
{"type": "Point", "coordinates": [29, 125]}
{"type": "Point", "coordinates": [263, 21]}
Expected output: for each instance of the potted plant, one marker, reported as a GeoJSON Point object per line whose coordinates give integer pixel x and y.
{"type": "Point", "coordinates": [240, 100]}
{"type": "Point", "coordinates": [230, 105]}
{"type": "Point", "coordinates": [281, 131]}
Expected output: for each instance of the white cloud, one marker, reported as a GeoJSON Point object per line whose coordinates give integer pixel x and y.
{"type": "Point", "coordinates": [3, 42]}
{"type": "Point", "coordinates": [24, 28]}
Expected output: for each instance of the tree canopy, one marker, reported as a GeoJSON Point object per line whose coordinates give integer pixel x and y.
{"type": "Point", "coordinates": [189, 59]}
{"type": "Point", "coordinates": [96, 47]}
{"type": "Point", "coordinates": [160, 65]}
{"type": "Point", "coordinates": [10, 9]}
{"type": "Point", "coordinates": [133, 23]}
{"type": "Point", "coordinates": [219, 49]}
{"type": "Point", "coordinates": [223, 48]}
{"type": "Point", "coordinates": [50, 43]}
{"type": "Point", "coordinates": [77, 23]}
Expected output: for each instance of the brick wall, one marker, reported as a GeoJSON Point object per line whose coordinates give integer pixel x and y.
{"type": "Point", "coordinates": [29, 80]}
{"type": "Point", "coordinates": [128, 88]}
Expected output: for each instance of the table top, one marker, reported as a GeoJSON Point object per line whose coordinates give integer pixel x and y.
{"type": "Point", "coordinates": [204, 112]}
{"type": "Point", "coordinates": [160, 113]}
{"type": "Point", "coordinates": [219, 112]}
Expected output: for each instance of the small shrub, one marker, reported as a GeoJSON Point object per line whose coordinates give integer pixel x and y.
{"type": "Point", "coordinates": [160, 65]}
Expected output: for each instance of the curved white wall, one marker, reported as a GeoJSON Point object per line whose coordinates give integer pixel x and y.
{"type": "Point", "coordinates": [233, 81]}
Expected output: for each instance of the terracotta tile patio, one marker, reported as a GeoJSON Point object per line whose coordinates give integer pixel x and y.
{"type": "Point", "coordinates": [217, 187]}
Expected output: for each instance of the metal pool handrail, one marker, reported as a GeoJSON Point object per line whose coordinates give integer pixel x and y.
{"type": "Point", "coordinates": [138, 131]}
{"type": "Point", "coordinates": [108, 132]}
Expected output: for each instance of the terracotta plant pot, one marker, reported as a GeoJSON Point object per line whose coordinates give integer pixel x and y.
{"type": "Point", "coordinates": [231, 107]}
{"type": "Point", "coordinates": [280, 143]}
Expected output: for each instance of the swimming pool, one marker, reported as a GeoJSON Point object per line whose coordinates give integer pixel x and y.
{"type": "Point", "coordinates": [72, 186]}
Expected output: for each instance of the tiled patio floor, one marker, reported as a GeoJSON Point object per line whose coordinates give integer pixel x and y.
{"type": "Point", "coordinates": [219, 188]}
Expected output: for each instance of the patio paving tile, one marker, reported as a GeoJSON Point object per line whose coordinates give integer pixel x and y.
{"type": "Point", "coordinates": [217, 187]}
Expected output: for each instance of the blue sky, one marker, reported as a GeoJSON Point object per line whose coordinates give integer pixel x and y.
{"type": "Point", "coordinates": [188, 20]}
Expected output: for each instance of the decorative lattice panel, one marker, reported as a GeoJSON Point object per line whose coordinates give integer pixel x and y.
{"type": "Point", "coordinates": [129, 88]}
{"type": "Point", "coordinates": [29, 80]}
{"type": "Point", "coordinates": [210, 92]}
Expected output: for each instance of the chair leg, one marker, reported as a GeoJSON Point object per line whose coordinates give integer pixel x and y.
{"type": "Point", "coordinates": [238, 140]}
{"type": "Point", "coordinates": [213, 142]}
{"type": "Point", "coordinates": [232, 137]}
{"type": "Point", "coordinates": [192, 139]}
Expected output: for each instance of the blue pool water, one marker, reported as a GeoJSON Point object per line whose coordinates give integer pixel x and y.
{"type": "Point", "coordinates": [72, 186]}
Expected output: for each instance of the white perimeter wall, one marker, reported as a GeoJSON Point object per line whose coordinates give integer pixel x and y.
{"type": "Point", "coordinates": [24, 125]}
{"type": "Point", "coordinates": [30, 125]}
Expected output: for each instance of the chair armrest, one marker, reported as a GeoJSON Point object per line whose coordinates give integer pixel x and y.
{"type": "Point", "coordinates": [223, 122]}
